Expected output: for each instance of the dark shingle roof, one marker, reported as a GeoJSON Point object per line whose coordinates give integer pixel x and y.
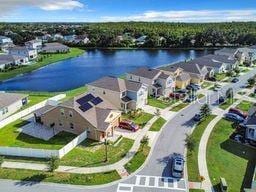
{"type": "Point", "coordinates": [145, 72]}
{"type": "Point", "coordinates": [7, 99]}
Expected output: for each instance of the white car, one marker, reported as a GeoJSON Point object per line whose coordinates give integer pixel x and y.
{"type": "Point", "coordinates": [177, 166]}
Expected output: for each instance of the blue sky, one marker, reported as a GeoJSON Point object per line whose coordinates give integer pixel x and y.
{"type": "Point", "coordinates": [127, 10]}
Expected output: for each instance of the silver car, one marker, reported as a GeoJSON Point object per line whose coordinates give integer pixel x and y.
{"type": "Point", "coordinates": [177, 165]}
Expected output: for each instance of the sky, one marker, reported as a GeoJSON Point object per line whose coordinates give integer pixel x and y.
{"type": "Point", "coordinates": [127, 10]}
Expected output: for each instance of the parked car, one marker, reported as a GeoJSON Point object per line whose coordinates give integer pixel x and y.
{"type": "Point", "coordinates": [235, 80]}
{"type": "Point", "coordinates": [129, 125]}
{"type": "Point", "coordinates": [182, 91]}
{"type": "Point", "coordinates": [198, 117]}
{"type": "Point", "coordinates": [178, 95]}
{"type": "Point", "coordinates": [196, 85]}
{"type": "Point", "coordinates": [177, 165]}
{"type": "Point", "coordinates": [221, 99]}
{"type": "Point", "coordinates": [192, 87]}
{"type": "Point", "coordinates": [238, 112]}
{"type": "Point", "coordinates": [217, 87]}
{"type": "Point", "coordinates": [191, 98]}
{"type": "Point", "coordinates": [234, 117]}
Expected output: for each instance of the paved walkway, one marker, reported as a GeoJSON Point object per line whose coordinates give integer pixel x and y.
{"type": "Point", "coordinates": [202, 151]}
{"type": "Point", "coordinates": [86, 170]}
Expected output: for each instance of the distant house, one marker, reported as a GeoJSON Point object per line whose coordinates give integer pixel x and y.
{"type": "Point", "coordinates": [6, 46]}
{"type": "Point", "coordinates": [57, 37]}
{"type": "Point", "coordinates": [45, 38]}
{"type": "Point", "coordinates": [87, 112]}
{"type": "Point", "coordinates": [248, 54]}
{"type": "Point", "coordinates": [159, 83]}
{"type": "Point", "coordinates": [125, 95]}
{"type": "Point", "coordinates": [55, 48]}
{"type": "Point", "coordinates": [10, 103]}
{"type": "Point", "coordinates": [34, 44]}
{"type": "Point", "coordinates": [230, 52]}
{"type": "Point", "coordinates": [12, 60]}
{"type": "Point", "coordinates": [141, 40]}
{"type": "Point", "coordinates": [69, 38]}
{"type": "Point", "coordinates": [82, 39]}
{"type": "Point", "coordinates": [4, 39]}
{"type": "Point", "coordinates": [31, 54]}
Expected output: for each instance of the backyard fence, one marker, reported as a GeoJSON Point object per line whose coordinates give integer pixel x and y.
{"type": "Point", "coordinates": [29, 110]}
{"type": "Point", "coordinates": [43, 153]}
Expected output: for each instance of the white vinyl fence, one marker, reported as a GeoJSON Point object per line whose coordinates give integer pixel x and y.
{"type": "Point", "coordinates": [29, 110]}
{"type": "Point", "coordinates": [43, 153]}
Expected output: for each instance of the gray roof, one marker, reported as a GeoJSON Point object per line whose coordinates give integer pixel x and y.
{"type": "Point", "coordinates": [3, 37]}
{"type": "Point", "coordinates": [208, 62]}
{"type": "Point", "coordinates": [116, 84]}
{"type": "Point", "coordinates": [163, 76]}
{"type": "Point", "coordinates": [7, 99]}
{"type": "Point", "coordinates": [54, 47]}
{"type": "Point", "coordinates": [190, 67]}
{"type": "Point", "coordinates": [19, 48]}
{"type": "Point", "coordinates": [43, 110]}
{"type": "Point", "coordinates": [253, 47]}
{"type": "Point", "coordinates": [145, 72]}
{"type": "Point", "coordinates": [220, 58]}
{"type": "Point", "coordinates": [225, 50]}
{"type": "Point", "coordinates": [6, 59]}
{"type": "Point", "coordinates": [251, 120]}
{"type": "Point", "coordinates": [183, 77]}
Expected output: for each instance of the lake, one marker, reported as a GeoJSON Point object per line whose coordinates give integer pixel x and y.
{"type": "Point", "coordinates": [94, 64]}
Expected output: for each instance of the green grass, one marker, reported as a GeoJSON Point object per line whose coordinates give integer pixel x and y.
{"type": "Point", "coordinates": [244, 106]}
{"type": "Point", "coordinates": [192, 157]}
{"type": "Point", "coordinates": [75, 92]}
{"type": "Point", "coordinates": [226, 158]}
{"type": "Point", "coordinates": [64, 178]}
{"type": "Point", "coordinates": [179, 107]}
{"type": "Point", "coordinates": [139, 158]}
{"type": "Point", "coordinates": [157, 125]}
{"type": "Point", "coordinates": [90, 153]}
{"type": "Point", "coordinates": [11, 137]}
{"type": "Point", "coordinates": [220, 76]}
{"type": "Point", "coordinates": [200, 96]}
{"type": "Point", "coordinates": [141, 119]}
{"type": "Point", "coordinates": [26, 159]}
{"type": "Point", "coordinates": [206, 85]}
{"type": "Point", "coordinates": [52, 58]}
{"type": "Point", "coordinates": [196, 190]}
{"type": "Point", "coordinates": [227, 104]}
{"type": "Point", "coordinates": [159, 103]}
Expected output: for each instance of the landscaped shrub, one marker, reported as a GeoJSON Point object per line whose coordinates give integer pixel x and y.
{"type": "Point", "coordinates": [54, 163]}
{"type": "Point", "coordinates": [1, 160]}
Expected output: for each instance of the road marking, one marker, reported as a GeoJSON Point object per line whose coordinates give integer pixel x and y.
{"type": "Point", "coordinates": [122, 187]}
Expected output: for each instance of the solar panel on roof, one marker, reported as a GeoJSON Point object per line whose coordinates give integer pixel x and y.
{"type": "Point", "coordinates": [97, 101]}
{"type": "Point", "coordinates": [85, 107]}
{"type": "Point", "coordinates": [85, 99]}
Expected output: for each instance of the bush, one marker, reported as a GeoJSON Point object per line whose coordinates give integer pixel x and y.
{"type": "Point", "coordinates": [1, 160]}
{"type": "Point", "coordinates": [190, 142]}
{"type": "Point", "coordinates": [144, 141]}
{"type": "Point", "coordinates": [54, 163]}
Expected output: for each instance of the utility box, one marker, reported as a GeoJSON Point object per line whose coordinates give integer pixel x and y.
{"type": "Point", "coordinates": [223, 185]}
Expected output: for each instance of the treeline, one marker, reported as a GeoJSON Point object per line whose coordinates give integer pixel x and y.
{"type": "Point", "coordinates": [158, 34]}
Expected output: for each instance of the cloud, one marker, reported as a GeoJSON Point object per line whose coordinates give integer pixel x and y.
{"type": "Point", "coordinates": [49, 5]}
{"type": "Point", "coordinates": [188, 16]}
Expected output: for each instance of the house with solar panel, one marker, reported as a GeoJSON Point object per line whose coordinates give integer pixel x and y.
{"type": "Point", "coordinates": [87, 112]}
{"type": "Point", "coordinates": [125, 95]}
{"type": "Point", "coordinates": [158, 82]}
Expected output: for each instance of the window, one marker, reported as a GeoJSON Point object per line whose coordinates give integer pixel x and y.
{"type": "Point", "coordinates": [123, 94]}
{"type": "Point", "coordinates": [70, 113]}
{"type": "Point", "coordinates": [60, 124]}
{"type": "Point", "coordinates": [62, 111]}
{"type": "Point", "coordinates": [104, 92]}
{"type": "Point", "coordinates": [130, 77]}
{"type": "Point", "coordinates": [4, 110]}
{"type": "Point", "coordinates": [139, 79]}
{"type": "Point", "coordinates": [71, 126]}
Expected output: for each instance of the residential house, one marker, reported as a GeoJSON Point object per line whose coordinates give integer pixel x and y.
{"type": "Point", "coordinates": [69, 38]}
{"type": "Point", "coordinates": [4, 39]}
{"type": "Point", "coordinates": [55, 48]}
{"type": "Point", "coordinates": [31, 54]}
{"type": "Point", "coordinates": [159, 83]}
{"type": "Point", "coordinates": [87, 112]}
{"type": "Point", "coordinates": [58, 37]}
{"type": "Point", "coordinates": [12, 60]}
{"type": "Point", "coordinates": [6, 46]}
{"type": "Point", "coordinates": [141, 40]}
{"type": "Point", "coordinates": [250, 124]}
{"type": "Point", "coordinates": [82, 39]}
{"type": "Point", "coordinates": [232, 54]}
{"type": "Point", "coordinates": [125, 95]}
{"type": "Point", "coordinates": [34, 44]}
{"type": "Point", "coordinates": [10, 103]}
{"type": "Point", "coordinates": [248, 55]}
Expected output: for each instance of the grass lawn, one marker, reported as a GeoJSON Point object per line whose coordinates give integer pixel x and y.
{"type": "Point", "coordinates": [227, 104]}
{"type": "Point", "coordinates": [196, 190]}
{"type": "Point", "coordinates": [200, 96]}
{"type": "Point", "coordinates": [138, 159]}
{"type": "Point", "coordinates": [141, 119]}
{"type": "Point", "coordinates": [52, 58]}
{"type": "Point", "coordinates": [90, 153]}
{"type": "Point", "coordinates": [26, 159]}
{"type": "Point", "coordinates": [64, 178]}
{"type": "Point", "coordinates": [244, 106]}
{"type": "Point", "coordinates": [75, 92]}
{"type": "Point", "coordinates": [179, 107]}
{"type": "Point", "coordinates": [228, 159]}
{"type": "Point", "coordinates": [157, 125]}
{"type": "Point", "coordinates": [192, 163]}
{"type": "Point", "coordinates": [206, 85]}
{"type": "Point", "coordinates": [159, 103]}
{"type": "Point", "coordinates": [220, 76]}
{"type": "Point", "coordinates": [11, 137]}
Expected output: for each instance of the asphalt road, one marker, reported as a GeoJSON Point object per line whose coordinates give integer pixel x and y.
{"type": "Point", "coordinates": [151, 177]}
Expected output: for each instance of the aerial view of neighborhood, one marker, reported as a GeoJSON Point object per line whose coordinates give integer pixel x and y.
{"type": "Point", "coordinates": [127, 96]}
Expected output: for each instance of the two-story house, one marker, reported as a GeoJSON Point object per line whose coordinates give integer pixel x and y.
{"type": "Point", "coordinates": [31, 54]}
{"type": "Point", "coordinates": [123, 94]}
{"type": "Point", "coordinates": [86, 112]}
{"type": "Point", "coordinates": [34, 44]}
{"type": "Point", "coordinates": [12, 60]}
{"type": "Point", "coordinates": [250, 124]}
{"type": "Point", "coordinates": [4, 40]}
{"type": "Point", "coordinates": [159, 83]}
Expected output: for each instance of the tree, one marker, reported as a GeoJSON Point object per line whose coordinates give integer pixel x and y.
{"type": "Point", "coordinates": [190, 142]}
{"type": "Point", "coordinates": [251, 82]}
{"type": "Point", "coordinates": [205, 110]}
{"type": "Point", "coordinates": [144, 141]}
{"type": "Point", "coordinates": [54, 163]}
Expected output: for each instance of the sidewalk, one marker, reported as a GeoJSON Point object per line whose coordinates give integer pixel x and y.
{"type": "Point", "coordinates": [202, 160]}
